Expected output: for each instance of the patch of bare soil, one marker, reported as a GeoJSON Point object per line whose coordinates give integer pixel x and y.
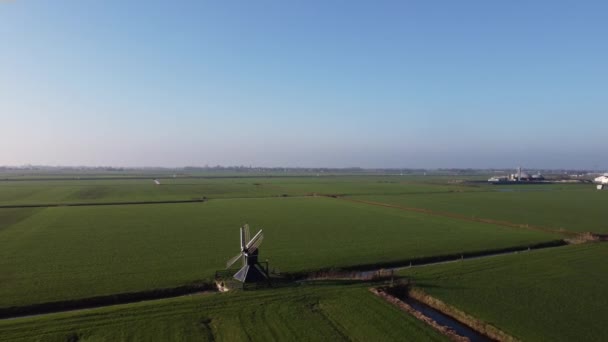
{"type": "Point", "coordinates": [587, 237]}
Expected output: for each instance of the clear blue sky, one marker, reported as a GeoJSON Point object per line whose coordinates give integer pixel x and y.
{"type": "Point", "coordinates": [304, 83]}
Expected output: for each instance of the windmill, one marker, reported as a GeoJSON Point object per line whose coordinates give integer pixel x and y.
{"type": "Point", "coordinates": [251, 271]}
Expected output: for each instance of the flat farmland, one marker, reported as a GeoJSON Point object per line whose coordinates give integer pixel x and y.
{"type": "Point", "coordinates": [32, 192]}
{"type": "Point", "coordinates": [325, 312]}
{"type": "Point", "coordinates": [546, 295]}
{"type": "Point", "coordinates": [132, 190]}
{"type": "Point", "coordinates": [574, 208]}
{"type": "Point", "coordinates": [60, 253]}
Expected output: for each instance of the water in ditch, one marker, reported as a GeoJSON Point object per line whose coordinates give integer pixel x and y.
{"type": "Point", "coordinates": [447, 321]}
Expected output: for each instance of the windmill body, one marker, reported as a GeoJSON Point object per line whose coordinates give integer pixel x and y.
{"type": "Point", "coordinates": [252, 271]}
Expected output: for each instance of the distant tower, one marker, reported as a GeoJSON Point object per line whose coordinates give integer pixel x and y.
{"type": "Point", "coordinates": [519, 174]}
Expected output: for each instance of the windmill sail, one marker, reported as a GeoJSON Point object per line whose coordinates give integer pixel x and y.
{"type": "Point", "coordinates": [254, 246]}
{"type": "Point", "coordinates": [233, 260]}
{"type": "Point", "coordinates": [255, 238]}
{"type": "Point", "coordinates": [243, 239]}
{"type": "Point", "coordinates": [247, 235]}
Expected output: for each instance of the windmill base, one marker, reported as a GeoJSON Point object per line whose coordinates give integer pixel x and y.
{"type": "Point", "coordinates": [251, 274]}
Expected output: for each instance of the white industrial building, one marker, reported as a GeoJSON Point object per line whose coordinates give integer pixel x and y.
{"type": "Point", "coordinates": [602, 182]}
{"type": "Point", "coordinates": [519, 176]}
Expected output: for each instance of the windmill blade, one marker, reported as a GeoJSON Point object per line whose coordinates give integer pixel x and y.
{"type": "Point", "coordinates": [256, 244]}
{"type": "Point", "coordinates": [252, 241]}
{"type": "Point", "coordinates": [233, 260]}
{"type": "Point", "coordinates": [247, 235]}
{"type": "Point", "coordinates": [243, 241]}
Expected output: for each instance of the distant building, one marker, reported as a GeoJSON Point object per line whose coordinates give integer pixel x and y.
{"type": "Point", "coordinates": [519, 176]}
{"type": "Point", "coordinates": [602, 182]}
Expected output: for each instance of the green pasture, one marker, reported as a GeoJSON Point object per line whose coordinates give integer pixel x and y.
{"type": "Point", "coordinates": [171, 189]}
{"type": "Point", "coordinates": [305, 313]}
{"type": "Point", "coordinates": [51, 254]}
{"type": "Point", "coordinates": [547, 295]}
{"type": "Point", "coordinates": [121, 190]}
{"type": "Point", "coordinates": [578, 208]}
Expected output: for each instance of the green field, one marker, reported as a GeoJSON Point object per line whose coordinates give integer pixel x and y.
{"type": "Point", "coordinates": [578, 208]}
{"type": "Point", "coordinates": [317, 313]}
{"type": "Point", "coordinates": [121, 190]}
{"type": "Point", "coordinates": [548, 295]}
{"type": "Point", "coordinates": [50, 254]}
{"type": "Point", "coordinates": [65, 253]}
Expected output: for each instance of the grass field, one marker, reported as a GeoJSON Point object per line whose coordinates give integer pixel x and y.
{"type": "Point", "coordinates": [318, 313]}
{"type": "Point", "coordinates": [64, 253]}
{"type": "Point", "coordinates": [548, 295]}
{"type": "Point", "coordinates": [73, 252]}
{"type": "Point", "coordinates": [121, 190]}
{"type": "Point", "coordinates": [578, 208]}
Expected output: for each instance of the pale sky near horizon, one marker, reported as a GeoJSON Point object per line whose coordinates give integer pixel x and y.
{"type": "Point", "coordinates": [304, 83]}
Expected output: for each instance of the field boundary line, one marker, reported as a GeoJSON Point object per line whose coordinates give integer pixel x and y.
{"type": "Point", "coordinates": [364, 270]}
{"type": "Point", "coordinates": [462, 217]}
{"type": "Point", "coordinates": [103, 301]}
{"type": "Point", "coordinates": [90, 204]}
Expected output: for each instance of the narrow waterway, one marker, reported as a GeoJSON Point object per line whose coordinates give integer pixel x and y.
{"type": "Point", "coordinates": [372, 271]}
{"type": "Point", "coordinates": [447, 321]}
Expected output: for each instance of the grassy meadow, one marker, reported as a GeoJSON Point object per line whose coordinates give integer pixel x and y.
{"type": "Point", "coordinates": [577, 208]}
{"type": "Point", "coordinates": [60, 253]}
{"type": "Point", "coordinates": [31, 192]}
{"type": "Point", "coordinates": [547, 295]}
{"type": "Point", "coordinates": [311, 313]}
{"type": "Point", "coordinates": [73, 252]}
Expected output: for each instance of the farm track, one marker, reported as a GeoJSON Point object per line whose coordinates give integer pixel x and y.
{"type": "Point", "coordinates": [462, 217]}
